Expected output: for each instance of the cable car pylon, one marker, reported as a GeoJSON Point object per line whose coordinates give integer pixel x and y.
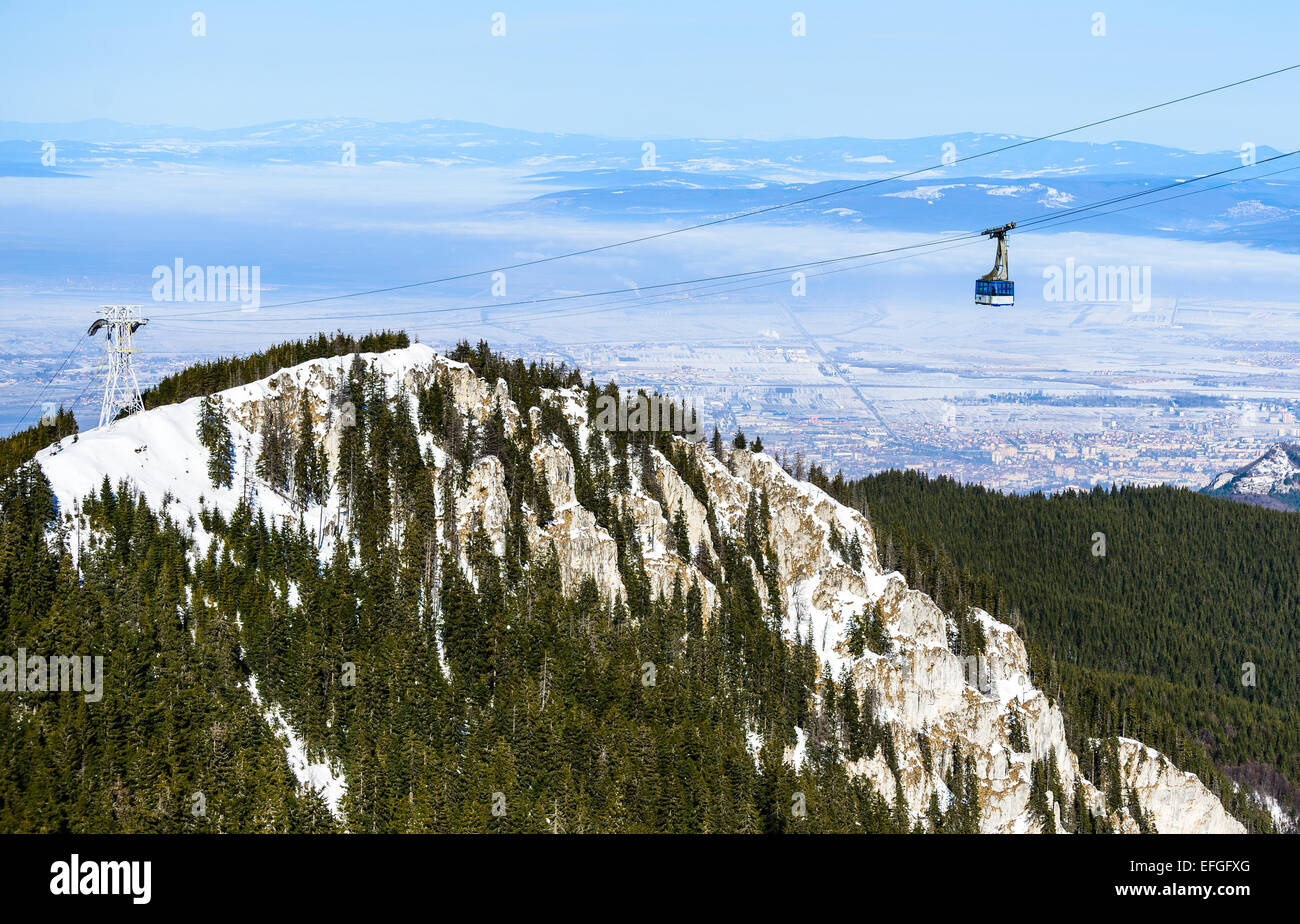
{"type": "Point", "coordinates": [121, 390]}
{"type": "Point", "coordinates": [995, 289]}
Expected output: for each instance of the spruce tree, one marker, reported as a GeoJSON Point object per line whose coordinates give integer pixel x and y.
{"type": "Point", "coordinates": [214, 435]}
{"type": "Point", "coordinates": [308, 462]}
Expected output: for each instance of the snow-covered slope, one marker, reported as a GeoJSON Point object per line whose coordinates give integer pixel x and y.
{"type": "Point", "coordinates": [1272, 480]}
{"type": "Point", "coordinates": [922, 690]}
{"type": "Point", "coordinates": [159, 452]}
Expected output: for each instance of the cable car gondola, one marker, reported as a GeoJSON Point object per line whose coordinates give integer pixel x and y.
{"type": "Point", "coordinates": [994, 289]}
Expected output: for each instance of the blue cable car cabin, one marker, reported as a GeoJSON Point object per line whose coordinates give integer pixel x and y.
{"type": "Point", "coordinates": [995, 289]}
{"type": "Point", "coordinates": [995, 293]}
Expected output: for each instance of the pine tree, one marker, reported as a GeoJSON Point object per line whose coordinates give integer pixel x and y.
{"type": "Point", "coordinates": [214, 435]}
{"type": "Point", "coordinates": [681, 535]}
{"type": "Point", "coordinates": [276, 450]}
{"type": "Point", "coordinates": [308, 462]}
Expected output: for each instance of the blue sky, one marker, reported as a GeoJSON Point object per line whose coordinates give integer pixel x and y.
{"type": "Point", "coordinates": [665, 69]}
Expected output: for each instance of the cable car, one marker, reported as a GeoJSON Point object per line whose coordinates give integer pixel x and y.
{"type": "Point", "coordinates": [994, 289]}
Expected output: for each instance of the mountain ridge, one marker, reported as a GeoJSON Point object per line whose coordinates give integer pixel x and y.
{"type": "Point", "coordinates": [1272, 480]}
{"type": "Point", "coordinates": [969, 723]}
{"type": "Point", "coordinates": [90, 142]}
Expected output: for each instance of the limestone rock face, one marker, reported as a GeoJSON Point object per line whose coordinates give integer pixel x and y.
{"type": "Point", "coordinates": [474, 396]}
{"type": "Point", "coordinates": [555, 465]}
{"type": "Point", "coordinates": [678, 495]}
{"type": "Point", "coordinates": [584, 549]}
{"type": "Point", "coordinates": [485, 503]}
{"type": "Point", "coordinates": [922, 690]}
{"type": "Point", "coordinates": [802, 517]}
{"type": "Point", "coordinates": [648, 518]}
{"type": "Point", "coordinates": [664, 571]}
{"type": "Point", "coordinates": [1175, 801]}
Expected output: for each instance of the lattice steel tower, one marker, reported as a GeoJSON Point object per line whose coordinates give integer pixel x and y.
{"type": "Point", "coordinates": [121, 390]}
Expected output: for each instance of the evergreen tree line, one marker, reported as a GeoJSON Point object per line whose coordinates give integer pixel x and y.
{"type": "Point", "coordinates": [175, 742]}
{"type": "Point", "coordinates": [19, 447]}
{"type": "Point", "coordinates": [232, 371]}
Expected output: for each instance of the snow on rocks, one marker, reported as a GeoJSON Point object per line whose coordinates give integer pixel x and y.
{"type": "Point", "coordinates": [1174, 800]}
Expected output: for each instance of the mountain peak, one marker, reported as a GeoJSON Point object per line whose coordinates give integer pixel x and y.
{"type": "Point", "coordinates": [1272, 480]}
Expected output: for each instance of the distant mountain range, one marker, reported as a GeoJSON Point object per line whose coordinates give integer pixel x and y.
{"type": "Point", "coordinates": [592, 177]}
{"type": "Point", "coordinates": [473, 143]}
{"type": "Point", "coordinates": [1272, 480]}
